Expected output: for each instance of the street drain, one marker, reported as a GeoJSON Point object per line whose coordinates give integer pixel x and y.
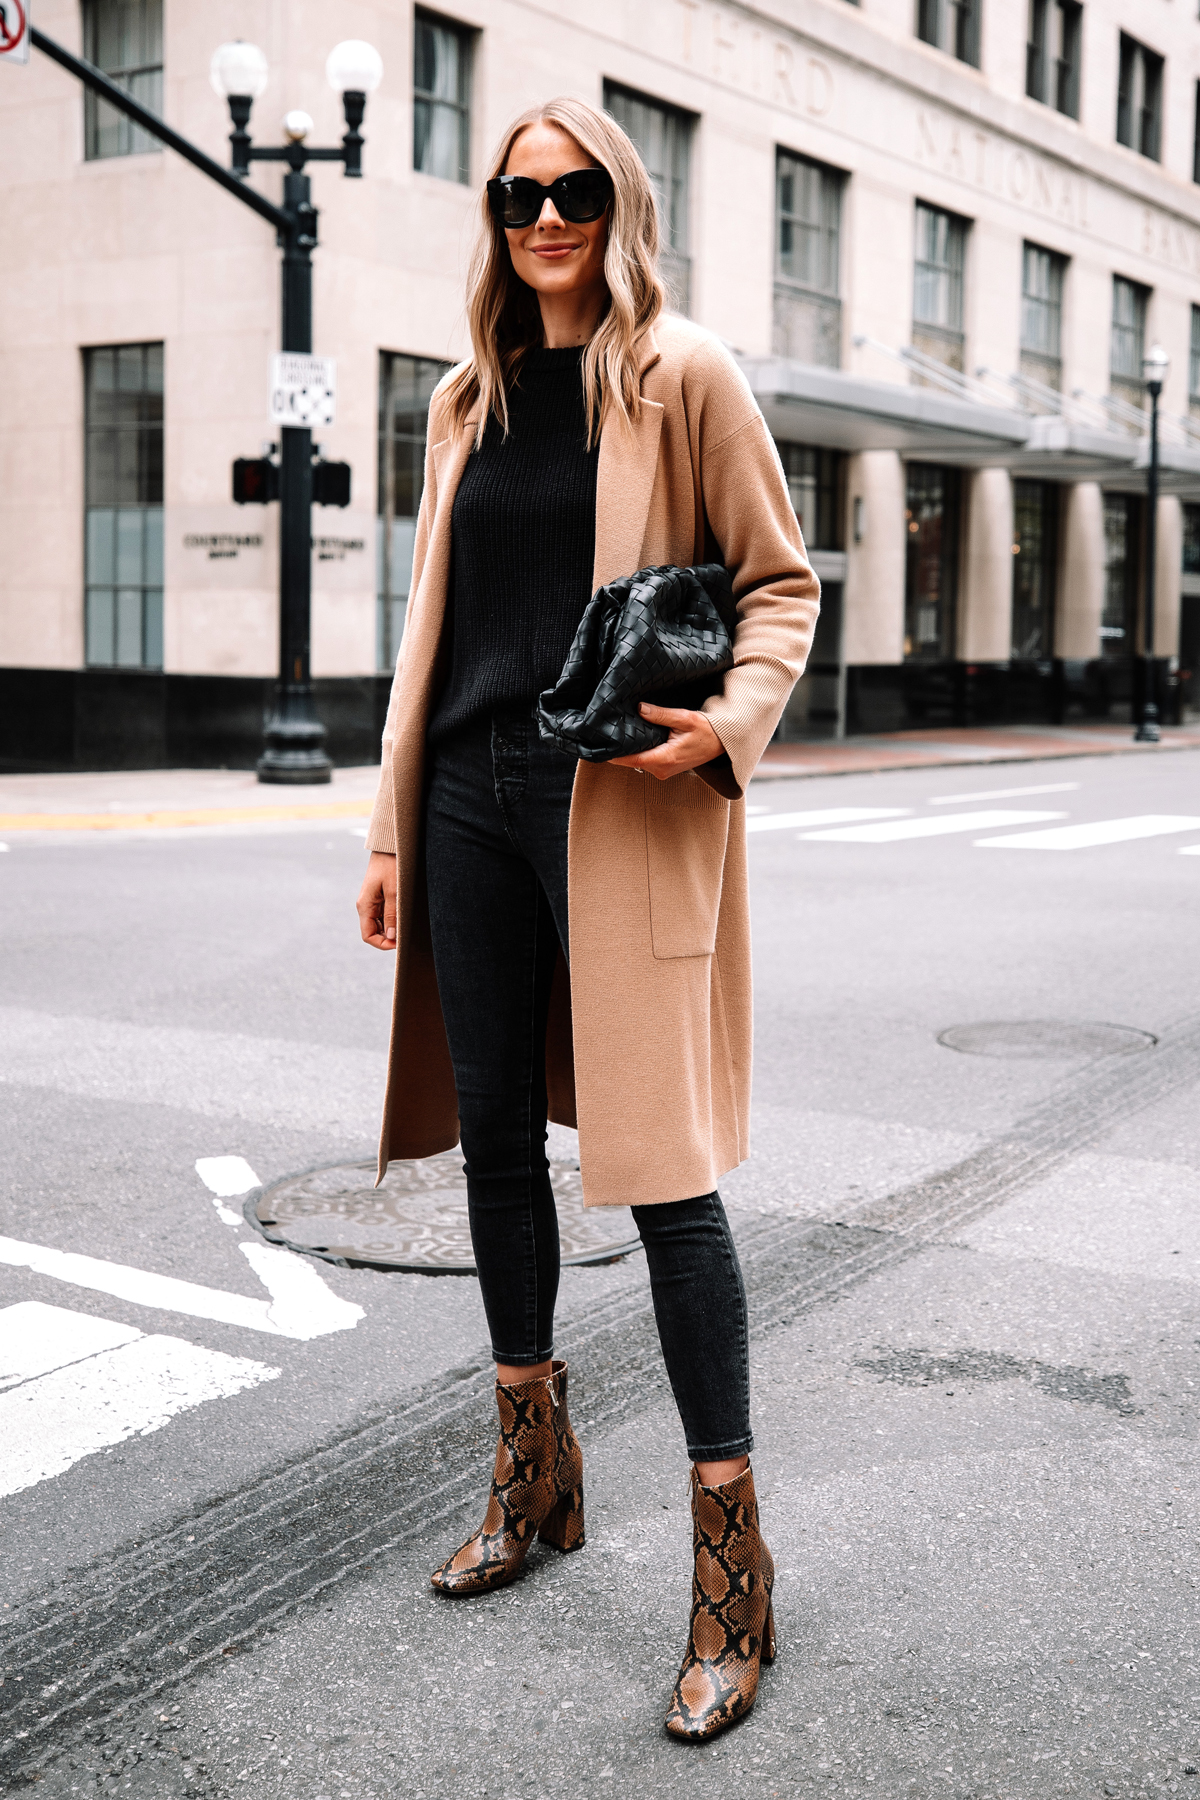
{"type": "Point", "coordinates": [1045, 1039]}
{"type": "Point", "coordinates": [416, 1220]}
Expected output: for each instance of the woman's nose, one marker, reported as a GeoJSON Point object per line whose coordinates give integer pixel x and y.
{"type": "Point", "coordinates": [548, 219]}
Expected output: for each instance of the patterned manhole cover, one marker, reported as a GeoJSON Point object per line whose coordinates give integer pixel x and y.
{"type": "Point", "coordinates": [1044, 1039]}
{"type": "Point", "coordinates": [417, 1218]}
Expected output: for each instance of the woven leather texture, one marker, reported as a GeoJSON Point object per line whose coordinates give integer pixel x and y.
{"type": "Point", "coordinates": [664, 635]}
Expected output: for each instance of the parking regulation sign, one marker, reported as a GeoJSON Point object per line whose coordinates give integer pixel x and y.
{"type": "Point", "coordinates": [14, 31]}
{"type": "Point", "coordinates": [303, 388]}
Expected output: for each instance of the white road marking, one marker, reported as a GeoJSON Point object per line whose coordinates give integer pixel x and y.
{"type": "Point", "coordinates": [1050, 787]}
{"type": "Point", "coordinates": [87, 1402]}
{"type": "Point", "coordinates": [303, 1305]}
{"type": "Point", "coordinates": [1190, 850]}
{"type": "Point", "coordinates": [224, 1177]}
{"type": "Point", "coordinates": [358, 831]}
{"type": "Point", "coordinates": [829, 815]}
{"type": "Point", "coordinates": [893, 832]}
{"type": "Point", "coordinates": [297, 1309]}
{"type": "Point", "coordinates": [1102, 831]}
{"type": "Point", "coordinates": [35, 1338]}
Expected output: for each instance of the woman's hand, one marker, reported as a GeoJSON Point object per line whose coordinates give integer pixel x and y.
{"type": "Point", "coordinates": [377, 902]}
{"type": "Point", "coordinates": [692, 742]}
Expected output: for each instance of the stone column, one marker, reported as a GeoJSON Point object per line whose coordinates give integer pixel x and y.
{"type": "Point", "coordinates": [873, 597]}
{"type": "Point", "coordinates": [1168, 576]}
{"type": "Point", "coordinates": [1080, 572]}
{"type": "Point", "coordinates": [985, 604]}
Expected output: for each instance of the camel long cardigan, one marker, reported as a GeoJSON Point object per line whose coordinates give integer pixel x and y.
{"type": "Point", "coordinates": [648, 1049]}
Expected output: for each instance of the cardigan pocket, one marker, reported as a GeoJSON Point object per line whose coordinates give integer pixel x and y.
{"type": "Point", "coordinates": [687, 829]}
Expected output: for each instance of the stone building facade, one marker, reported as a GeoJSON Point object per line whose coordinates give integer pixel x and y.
{"type": "Point", "coordinates": [940, 236]}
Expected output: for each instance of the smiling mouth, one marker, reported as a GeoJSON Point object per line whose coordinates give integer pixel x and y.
{"type": "Point", "coordinates": [555, 249]}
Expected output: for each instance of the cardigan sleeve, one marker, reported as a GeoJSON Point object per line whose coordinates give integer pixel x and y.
{"type": "Point", "coordinates": [751, 515]}
{"type": "Point", "coordinates": [381, 832]}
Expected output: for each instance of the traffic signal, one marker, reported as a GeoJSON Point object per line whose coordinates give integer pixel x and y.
{"type": "Point", "coordinates": [331, 484]}
{"type": "Point", "coordinates": [255, 480]}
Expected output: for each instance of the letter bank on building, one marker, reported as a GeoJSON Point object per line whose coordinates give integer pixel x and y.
{"type": "Point", "coordinates": [939, 235]}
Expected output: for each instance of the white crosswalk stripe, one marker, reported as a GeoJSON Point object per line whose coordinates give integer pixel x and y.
{"type": "Point", "coordinates": [944, 825]}
{"type": "Point", "coordinates": [1100, 831]}
{"type": "Point", "coordinates": [828, 815]}
{"type": "Point", "coordinates": [76, 1384]}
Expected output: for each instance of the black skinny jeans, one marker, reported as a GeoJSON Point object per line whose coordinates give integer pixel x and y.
{"type": "Point", "coordinates": [496, 854]}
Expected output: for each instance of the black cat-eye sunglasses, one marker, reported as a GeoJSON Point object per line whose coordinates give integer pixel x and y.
{"type": "Point", "coordinates": [517, 201]}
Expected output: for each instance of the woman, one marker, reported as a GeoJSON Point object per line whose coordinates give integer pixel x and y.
{"type": "Point", "coordinates": [587, 437]}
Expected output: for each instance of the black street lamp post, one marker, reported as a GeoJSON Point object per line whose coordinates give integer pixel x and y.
{"type": "Point", "coordinates": [1154, 368]}
{"type": "Point", "coordinates": [294, 736]}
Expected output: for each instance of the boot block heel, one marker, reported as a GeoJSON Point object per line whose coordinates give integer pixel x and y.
{"type": "Point", "coordinates": [767, 1654]}
{"type": "Point", "coordinates": [562, 1528]}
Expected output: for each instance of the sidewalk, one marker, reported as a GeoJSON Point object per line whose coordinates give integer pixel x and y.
{"type": "Point", "coordinates": [173, 799]}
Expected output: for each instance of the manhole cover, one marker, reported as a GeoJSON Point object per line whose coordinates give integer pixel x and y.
{"type": "Point", "coordinates": [1044, 1039]}
{"type": "Point", "coordinates": [417, 1218]}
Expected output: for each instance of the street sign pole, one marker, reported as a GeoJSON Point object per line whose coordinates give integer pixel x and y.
{"type": "Point", "coordinates": [295, 737]}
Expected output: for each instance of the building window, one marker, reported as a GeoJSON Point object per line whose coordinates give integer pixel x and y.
{"type": "Point", "coordinates": [662, 136]}
{"type": "Point", "coordinates": [124, 38]}
{"type": "Point", "coordinates": [952, 25]}
{"type": "Point", "coordinates": [441, 98]}
{"type": "Point", "coordinates": [1052, 54]}
{"type": "Point", "coordinates": [1035, 559]}
{"type": "Point", "coordinates": [406, 385]}
{"type": "Point", "coordinates": [1041, 315]}
{"type": "Point", "coordinates": [808, 212]}
{"type": "Point", "coordinates": [1194, 363]}
{"type": "Point", "coordinates": [1128, 340]}
{"type": "Point", "coordinates": [123, 525]}
{"type": "Point", "coordinates": [931, 563]}
{"type": "Point", "coordinates": [817, 484]}
{"type": "Point", "coordinates": [941, 240]}
{"type": "Point", "coordinates": [1196, 137]}
{"type": "Point", "coordinates": [1118, 620]}
{"type": "Point", "coordinates": [1191, 538]}
{"type": "Point", "coordinates": [1139, 98]}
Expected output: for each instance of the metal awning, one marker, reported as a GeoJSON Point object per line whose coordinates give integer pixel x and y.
{"type": "Point", "coordinates": [957, 421]}
{"type": "Point", "coordinates": [808, 405]}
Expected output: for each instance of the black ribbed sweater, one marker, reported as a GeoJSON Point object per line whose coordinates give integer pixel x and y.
{"type": "Point", "coordinates": [523, 537]}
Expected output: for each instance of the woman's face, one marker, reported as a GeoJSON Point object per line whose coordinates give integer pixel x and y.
{"type": "Point", "coordinates": [552, 256]}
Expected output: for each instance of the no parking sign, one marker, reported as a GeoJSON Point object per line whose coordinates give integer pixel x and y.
{"type": "Point", "coordinates": [14, 31]}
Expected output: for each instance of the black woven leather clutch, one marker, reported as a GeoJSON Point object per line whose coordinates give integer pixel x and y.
{"type": "Point", "coordinates": [664, 635]}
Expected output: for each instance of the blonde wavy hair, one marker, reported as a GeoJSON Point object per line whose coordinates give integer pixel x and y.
{"type": "Point", "coordinates": [502, 312]}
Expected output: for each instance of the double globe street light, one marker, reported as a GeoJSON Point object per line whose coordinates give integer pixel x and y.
{"type": "Point", "coordinates": [295, 738]}
{"type": "Point", "coordinates": [294, 748]}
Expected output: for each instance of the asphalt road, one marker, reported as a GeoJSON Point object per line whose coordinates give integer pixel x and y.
{"type": "Point", "coordinates": [976, 1335]}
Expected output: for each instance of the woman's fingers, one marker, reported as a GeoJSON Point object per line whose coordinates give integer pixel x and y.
{"type": "Point", "coordinates": [376, 904]}
{"type": "Point", "coordinates": [691, 743]}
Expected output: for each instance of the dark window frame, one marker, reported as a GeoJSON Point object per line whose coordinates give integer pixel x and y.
{"type": "Point", "coordinates": [1127, 342]}
{"type": "Point", "coordinates": [1052, 71]}
{"type": "Point", "coordinates": [124, 442]}
{"type": "Point", "coordinates": [817, 476]}
{"type": "Point", "coordinates": [931, 544]}
{"type": "Point", "coordinates": [1043, 278]}
{"type": "Point", "coordinates": [404, 395]}
{"type": "Point", "coordinates": [1139, 97]}
{"type": "Point", "coordinates": [635, 111]}
{"type": "Point", "coordinates": [952, 26]}
{"type": "Point", "coordinates": [1196, 136]}
{"type": "Point", "coordinates": [941, 337]}
{"type": "Point", "coordinates": [1035, 569]}
{"type": "Point", "coordinates": [1119, 611]}
{"type": "Point", "coordinates": [108, 133]}
{"type": "Point", "coordinates": [1194, 358]}
{"type": "Point", "coordinates": [428, 104]}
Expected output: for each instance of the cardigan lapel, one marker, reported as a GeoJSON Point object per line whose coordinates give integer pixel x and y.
{"type": "Point", "coordinates": [624, 481]}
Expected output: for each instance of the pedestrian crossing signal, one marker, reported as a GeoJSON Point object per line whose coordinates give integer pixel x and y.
{"type": "Point", "coordinates": [255, 480]}
{"type": "Point", "coordinates": [331, 484]}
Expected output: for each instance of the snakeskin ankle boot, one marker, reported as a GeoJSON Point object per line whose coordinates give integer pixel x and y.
{"type": "Point", "coordinates": [733, 1621]}
{"type": "Point", "coordinates": [537, 1488]}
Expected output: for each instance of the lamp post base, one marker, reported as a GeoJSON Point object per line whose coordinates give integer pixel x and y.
{"type": "Point", "coordinates": [1148, 730]}
{"type": "Point", "coordinates": [294, 751]}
